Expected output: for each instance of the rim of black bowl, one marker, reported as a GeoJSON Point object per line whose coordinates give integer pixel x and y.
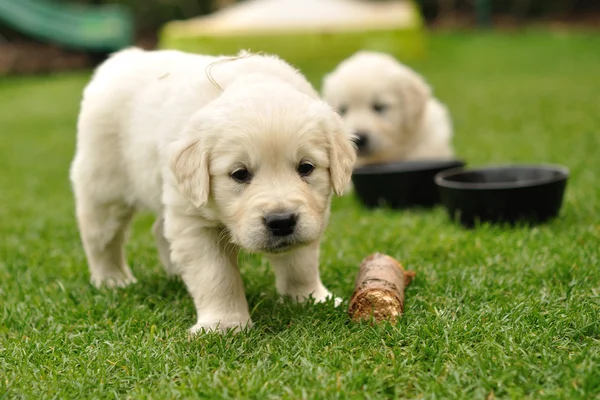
{"type": "Point", "coordinates": [441, 177]}
{"type": "Point", "coordinates": [407, 166]}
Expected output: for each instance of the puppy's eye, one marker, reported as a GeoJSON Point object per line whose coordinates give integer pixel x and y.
{"type": "Point", "coordinates": [342, 110]}
{"type": "Point", "coordinates": [378, 107]}
{"type": "Point", "coordinates": [241, 175]}
{"type": "Point", "coordinates": [305, 168]}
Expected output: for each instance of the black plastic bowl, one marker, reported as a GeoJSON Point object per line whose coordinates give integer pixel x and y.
{"type": "Point", "coordinates": [505, 194]}
{"type": "Point", "coordinates": [400, 185]}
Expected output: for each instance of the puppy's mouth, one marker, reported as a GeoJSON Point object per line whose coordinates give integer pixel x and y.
{"type": "Point", "coordinates": [282, 246]}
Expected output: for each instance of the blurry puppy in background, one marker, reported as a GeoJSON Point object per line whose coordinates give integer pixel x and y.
{"type": "Point", "coordinates": [390, 110]}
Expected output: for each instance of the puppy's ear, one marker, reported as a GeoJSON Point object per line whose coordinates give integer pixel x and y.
{"type": "Point", "coordinates": [415, 94]}
{"type": "Point", "coordinates": [325, 86]}
{"type": "Point", "coordinates": [189, 165]}
{"type": "Point", "coordinates": [342, 155]}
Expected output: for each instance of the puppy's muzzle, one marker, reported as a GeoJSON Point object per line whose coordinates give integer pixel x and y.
{"type": "Point", "coordinates": [281, 224]}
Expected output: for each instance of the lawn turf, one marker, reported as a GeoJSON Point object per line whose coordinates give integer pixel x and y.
{"type": "Point", "coordinates": [513, 312]}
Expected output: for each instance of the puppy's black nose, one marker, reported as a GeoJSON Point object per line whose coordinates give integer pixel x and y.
{"type": "Point", "coordinates": [281, 224]}
{"type": "Point", "coordinates": [361, 139]}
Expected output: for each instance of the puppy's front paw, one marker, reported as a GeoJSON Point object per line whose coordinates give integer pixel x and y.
{"type": "Point", "coordinates": [337, 301]}
{"type": "Point", "coordinates": [320, 295]}
{"type": "Point", "coordinates": [115, 280]}
{"type": "Point", "coordinates": [327, 296]}
{"type": "Point", "coordinates": [220, 327]}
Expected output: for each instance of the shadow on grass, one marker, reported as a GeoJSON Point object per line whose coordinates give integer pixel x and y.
{"type": "Point", "coordinates": [168, 301]}
{"type": "Point", "coordinates": [161, 287]}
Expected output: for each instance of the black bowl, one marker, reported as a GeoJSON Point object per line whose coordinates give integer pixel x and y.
{"type": "Point", "coordinates": [400, 185]}
{"type": "Point", "coordinates": [508, 194]}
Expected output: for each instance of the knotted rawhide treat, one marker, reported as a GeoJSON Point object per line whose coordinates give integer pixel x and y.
{"type": "Point", "coordinates": [379, 289]}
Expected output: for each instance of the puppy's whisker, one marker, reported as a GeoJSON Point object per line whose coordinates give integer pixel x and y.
{"type": "Point", "coordinates": [223, 236]}
{"type": "Point", "coordinates": [232, 249]}
{"type": "Point", "coordinates": [229, 247]}
{"type": "Point", "coordinates": [220, 236]}
{"type": "Point", "coordinates": [327, 234]}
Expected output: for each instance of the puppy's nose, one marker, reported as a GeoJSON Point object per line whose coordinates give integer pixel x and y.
{"type": "Point", "coordinates": [361, 139]}
{"type": "Point", "coordinates": [281, 224]}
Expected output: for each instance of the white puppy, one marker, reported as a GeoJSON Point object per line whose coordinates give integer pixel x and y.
{"type": "Point", "coordinates": [229, 153]}
{"type": "Point", "coordinates": [389, 108]}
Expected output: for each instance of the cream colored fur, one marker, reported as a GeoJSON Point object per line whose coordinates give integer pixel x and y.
{"type": "Point", "coordinates": [391, 106]}
{"type": "Point", "coordinates": [154, 133]}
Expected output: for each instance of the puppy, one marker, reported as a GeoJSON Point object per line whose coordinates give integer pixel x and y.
{"type": "Point", "coordinates": [389, 108]}
{"type": "Point", "coordinates": [230, 153]}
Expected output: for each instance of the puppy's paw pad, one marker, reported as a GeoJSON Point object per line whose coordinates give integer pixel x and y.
{"type": "Point", "coordinates": [220, 327]}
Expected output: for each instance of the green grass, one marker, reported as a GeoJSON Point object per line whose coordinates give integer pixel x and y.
{"type": "Point", "coordinates": [509, 311]}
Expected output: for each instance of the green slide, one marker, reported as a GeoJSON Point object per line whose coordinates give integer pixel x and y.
{"type": "Point", "coordinates": [95, 28]}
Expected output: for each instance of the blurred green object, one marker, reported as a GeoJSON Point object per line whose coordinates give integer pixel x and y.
{"type": "Point", "coordinates": [483, 9]}
{"type": "Point", "coordinates": [328, 39]}
{"type": "Point", "coordinates": [96, 28]}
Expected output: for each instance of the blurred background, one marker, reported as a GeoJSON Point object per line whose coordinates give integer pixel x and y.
{"type": "Point", "coordinates": [41, 36]}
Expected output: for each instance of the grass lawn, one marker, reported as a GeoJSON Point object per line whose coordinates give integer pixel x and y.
{"type": "Point", "coordinates": [513, 312]}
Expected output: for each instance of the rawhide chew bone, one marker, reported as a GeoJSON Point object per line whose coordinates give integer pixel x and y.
{"type": "Point", "coordinates": [379, 289]}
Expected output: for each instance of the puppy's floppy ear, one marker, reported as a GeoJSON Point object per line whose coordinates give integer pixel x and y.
{"type": "Point", "coordinates": [189, 165]}
{"type": "Point", "coordinates": [342, 154]}
{"type": "Point", "coordinates": [415, 94]}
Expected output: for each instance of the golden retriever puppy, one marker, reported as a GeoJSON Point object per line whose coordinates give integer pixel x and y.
{"type": "Point", "coordinates": [389, 108]}
{"type": "Point", "coordinates": [230, 153]}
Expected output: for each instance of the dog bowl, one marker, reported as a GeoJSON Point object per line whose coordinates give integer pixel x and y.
{"type": "Point", "coordinates": [529, 193]}
{"type": "Point", "coordinates": [400, 185]}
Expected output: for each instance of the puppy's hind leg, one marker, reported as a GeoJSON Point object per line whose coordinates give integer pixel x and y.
{"type": "Point", "coordinates": [163, 246]}
{"type": "Point", "coordinates": [103, 230]}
